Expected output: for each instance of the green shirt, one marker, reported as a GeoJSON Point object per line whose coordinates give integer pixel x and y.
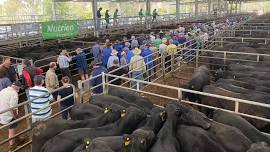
{"type": "Point", "coordinates": [141, 14]}
{"type": "Point", "coordinates": [157, 42]}
{"type": "Point", "coordinates": [115, 15]}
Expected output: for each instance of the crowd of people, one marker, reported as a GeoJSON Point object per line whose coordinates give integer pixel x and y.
{"type": "Point", "coordinates": [136, 56]}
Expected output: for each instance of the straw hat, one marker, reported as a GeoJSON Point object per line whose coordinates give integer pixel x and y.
{"type": "Point", "coordinates": [114, 52]}
{"type": "Point", "coordinates": [137, 51]}
{"type": "Point", "coordinates": [123, 53]}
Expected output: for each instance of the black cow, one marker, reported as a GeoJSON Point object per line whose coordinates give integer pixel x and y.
{"type": "Point", "coordinates": [196, 139]}
{"type": "Point", "coordinates": [166, 137]}
{"type": "Point", "coordinates": [106, 100]}
{"type": "Point", "coordinates": [139, 141]}
{"type": "Point", "coordinates": [244, 108]}
{"type": "Point", "coordinates": [244, 68]}
{"type": "Point", "coordinates": [236, 121]}
{"type": "Point", "coordinates": [156, 120]}
{"type": "Point", "coordinates": [257, 82]}
{"type": "Point", "coordinates": [85, 111]}
{"type": "Point", "coordinates": [131, 97]}
{"type": "Point", "coordinates": [70, 139]}
{"type": "Point", "coordinates": [259, 147]}
{"type": "Point", "coordinates": [200, 78]}
{"type": "Point", "coordinates": [237, 75]}
{"type": "Point", "coordinates": [43, 131]}
{"type": "Point", "coordinates": [231, 138]}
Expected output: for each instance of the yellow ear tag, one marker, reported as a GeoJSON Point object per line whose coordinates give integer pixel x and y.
{"type": "Point", "coordinates": [127, 141]}
{"type": "Point", "coordinates": [106, 110]}
{"type": "Point", "coordinates": [123, 113]}
{"type": "Point", "coordinates": [87, 142]}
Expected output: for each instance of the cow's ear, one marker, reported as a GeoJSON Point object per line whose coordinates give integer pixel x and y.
{"type": "Point", "coordinates": [123, 113]}
{"type": "Point", "coordinates": [127, 141]}
{"type": "Point", "coordinates": [163, 116]}
{"type": "Point", "coordinates": [87, 142]}
{"type": "Point", "coordinates": [106, 110]}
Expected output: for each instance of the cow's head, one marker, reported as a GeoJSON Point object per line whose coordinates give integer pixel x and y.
{"type": "Point", "coordinates": [157, 118]}
{"type": "Point", "coordinates": [189, 116]}
{"type": "Point", "coordinates": [218, 74]}
{"type": "Point", "coordinates": [140, 140]}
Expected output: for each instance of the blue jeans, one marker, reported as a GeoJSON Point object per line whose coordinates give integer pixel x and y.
{"type": "Point", "coordinates": [65, 113]}
{"type": "Point", "coordinates": [138, 75]}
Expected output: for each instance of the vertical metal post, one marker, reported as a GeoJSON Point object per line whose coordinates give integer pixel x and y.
{"type": "Point", "coordinates": [231, 5]}
{"type": "Point", "coordinates": [197, 58]}
{"type": "Point", "coordinates": [103, 82]}
{"type": "Point", "coordinates": [218, 7]}
{"type": "Point", "coordinates": [221, 44]}
{"type": "Point", "coordinates": [236, 7]}
{"type": "Point", "coordinates": [148, 12]}
{"type": "Point", "coordinates": [163, 65]}
{"type": "Point", "coordinates": [240, 6]}
{"type": "Point", "coordinates": [96, 22]}
{"type": "Point", "coordinates": [137, 86]}
{"type": "Point", "coordinates": [209, 7]}
{"type": "Point", "coordinates": [196, 8]}
{"type": "Point", "coordinates": [179, 95]}
{"type": "Point", "coordinates": [26, 111]}
{"type": "Point", "coordinates": [53, 10]}
{"type": "Point", "coordinates": [225, 56]}
{"type": "Point", "coordinates": [172, 62]}
{"type": "Point", "coordinates": [106, 84]}
{"type": "Point", "coordinates": [177, 11]}
{"type": "Point", "coordinates": [258, 58]}
{"type": "Point", "coordinates": [80, 87]}
{"type": "Point", "coordinates": [236, 107]}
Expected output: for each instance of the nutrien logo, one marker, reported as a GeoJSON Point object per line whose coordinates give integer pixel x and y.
{"type": "Point", "coordinates": [60, 28]}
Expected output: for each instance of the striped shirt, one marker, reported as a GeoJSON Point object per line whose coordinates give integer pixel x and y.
{"type": "Point", "coordinates": [63, 61]}
{"type": "Point", "coordinates": [41, 102]}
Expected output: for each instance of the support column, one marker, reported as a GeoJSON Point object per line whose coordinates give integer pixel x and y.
{"type": "Point", "coordinates": [148, 13]}
{"type": "Point", "coordinates": [209, 7]}
{"type": "Point", "coordinates": [53, 10]}
{"type": "Point", "coordinates": [96, 22]}
{"type": "Point", "coordinates": [236, 7]}
{"type": "Point", "coordinates": [218, 7]}
{"type": "Point", "coordinates": [177, 10]}
{"type": "Point", "coordinates": [196, 8]}
{"type": "Point", "coordinates": [226, 7]}
{"type": "Point", "coordinates": [240, 6]}
{"type": "Point", "coordinates": [231, 9]}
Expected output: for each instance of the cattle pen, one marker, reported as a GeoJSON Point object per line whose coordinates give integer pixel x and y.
{"type": "Point", "coordinates": [247, 43]}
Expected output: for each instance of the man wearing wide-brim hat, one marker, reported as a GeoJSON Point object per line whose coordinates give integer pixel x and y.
{"type": "Point", "coordinates": [137, 67]}
{"type": "Point", "coordinates": [111, 58]}
{"type": "Point", "coordinates": [63, 62]}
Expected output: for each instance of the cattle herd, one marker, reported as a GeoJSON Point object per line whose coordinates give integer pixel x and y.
{"type": "Point", "coordinates": [123, 121]}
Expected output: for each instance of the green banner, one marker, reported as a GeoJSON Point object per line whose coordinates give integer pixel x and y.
{"type": "Point", "coordinates": [60, 29]}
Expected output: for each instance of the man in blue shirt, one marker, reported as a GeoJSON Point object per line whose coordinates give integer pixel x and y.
{"type": "Point", "coordinates": [97, 70]}
{"type": "Point", "coordinates": [81, 63]}
{"type": "Point", "coordinates": [129, 55]}
{"type": "Point", "coordinates": [106, 54]}
{"type": "Point", "coordinates": [149, 60]}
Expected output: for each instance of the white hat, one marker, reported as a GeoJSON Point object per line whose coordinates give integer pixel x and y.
{"type": "Point", "coordinates": [114, 52]}
{"type": "Point", "coordinates": [137, 51]}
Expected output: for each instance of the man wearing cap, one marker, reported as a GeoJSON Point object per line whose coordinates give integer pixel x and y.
{"type": "Point", "coordinates": [81, 63]}
{"type": "Point", "coordinates": [137, 67]}
{"type": "Point", "coordinates": [134, 42]}
{"type": "Point", "coordinates": [51, 79]}
{"type": "Point", "coordinates": [63, 62]}
{"type": "Point", "coordinates": [97, 70]}
{"type": "Point", "coordinates": [106, 53]}
{"type": "Point", "coordinates": [97, 52]}
{"type": "Point", "coordinates": [40, 99]}
{"type": "Point", "coordinates": [9, 99]}
{"type": "Point", "coordinates": [111, 58]}
{"type": "Point", "coordinates": [147, 54]}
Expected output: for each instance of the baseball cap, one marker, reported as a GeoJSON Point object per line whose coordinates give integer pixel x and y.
{"type": "Point", "coordinates": [17, 84]}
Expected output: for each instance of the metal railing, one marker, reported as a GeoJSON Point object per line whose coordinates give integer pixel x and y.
{"type": "Point", "coordinates": [28, 115]}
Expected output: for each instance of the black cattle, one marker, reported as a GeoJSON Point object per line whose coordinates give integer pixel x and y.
{"type": "Point", "coordinates": [236, 121]}
{"type": "Point", "coordinates": [231, 138]}
{"type": "Point", "coordinates": [156, 120]}
{"type": "Point", "coordinates": [244, 68]}
{"type": "Point", "coordinates": [200, 78]}
{"type": "Point", "coordinates": [85, 111]}
{"type": "Point", "coordinates": [237, 75]}
{"type": "Point", "coordinates": [259, 147]}
{"type": "Point", "coordinates": [257, 82]}
{"type": "Point", "coordinates": [70, 139]}
{"type": "Point", "coordinates": [196, 139]}
{"type": "Point", "coordinates": [131, 97]}
{"type": "Point", "coordinates": [106, 100]}
{"type": "Point", "coordinates": [243, 108]}
{"type": "Point", "coordinates": [192, 117]}
{"type": "Point", "coordinates": [43, 131]}
{"type": "Point", "coordinates": [166, 137]}
{"type": "Point", "coordinates": [139, 141]}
